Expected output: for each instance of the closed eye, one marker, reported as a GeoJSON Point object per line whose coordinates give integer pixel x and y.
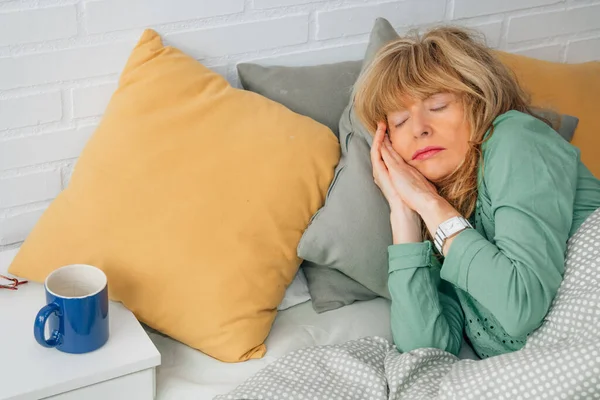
{"type": "Point", "coordinates": [398, 125]}
{"type": "Point", "coordinates": [440, 108]}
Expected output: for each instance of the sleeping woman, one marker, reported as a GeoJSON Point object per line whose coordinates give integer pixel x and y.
{"type": "Point", "coordinates": [483, 193]}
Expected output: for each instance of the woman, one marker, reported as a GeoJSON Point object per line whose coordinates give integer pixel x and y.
{"type": "Point", "coordinates": [458, 150]}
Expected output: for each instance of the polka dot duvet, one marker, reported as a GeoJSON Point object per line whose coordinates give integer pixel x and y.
{"type": "Point", "coordinates": [561, 359]}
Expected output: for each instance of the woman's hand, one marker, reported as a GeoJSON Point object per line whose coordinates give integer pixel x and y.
{"type": "Point", "coordinates": [406, 224]}
{"type": "Point", "coordinates": [412, 187]}
{"type": "Point", "coordinates": [381, 175]}
{"type": "Point", "coordinates": [415, 191]}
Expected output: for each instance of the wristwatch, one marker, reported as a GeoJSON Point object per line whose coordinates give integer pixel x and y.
{"type": "Point", "coordinates": [449, 228]}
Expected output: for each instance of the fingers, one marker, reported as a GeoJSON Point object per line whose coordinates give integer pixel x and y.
{"type": "Point", "coordinates": [388, 144]}
{"type": "Point", "coordinates": [380, 170]}
{"type": "Point", "coordinates": [373, 145]}
{"type": "Point", "coordinates": [376, 160]}
{"type": "Point", "coordinates": [380, 128]}
{"type": "Point", "coordinates": [387, 156]}
{"type": "Point", "coordinates": [377, 140]}
{"type": "Point", "coordinates": [384, 183]}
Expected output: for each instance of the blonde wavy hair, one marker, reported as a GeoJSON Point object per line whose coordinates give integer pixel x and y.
{"type": "Point", "coordinates": [444, 59]}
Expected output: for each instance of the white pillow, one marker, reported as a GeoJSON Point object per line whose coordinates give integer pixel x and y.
{"type": "Point", "coordinates": [296, 293]}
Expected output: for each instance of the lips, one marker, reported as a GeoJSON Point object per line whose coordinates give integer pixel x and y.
{"type": "Point", "coordinates": [427, 152]}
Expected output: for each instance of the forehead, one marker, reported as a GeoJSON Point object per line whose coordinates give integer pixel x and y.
{"type": "Point", "coordinates": [405, 101]}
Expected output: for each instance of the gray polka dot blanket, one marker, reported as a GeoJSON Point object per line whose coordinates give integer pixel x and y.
{"type": "Point", "coordinates": [561, 359]}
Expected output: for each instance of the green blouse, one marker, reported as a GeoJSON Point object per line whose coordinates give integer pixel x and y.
{"type": "Point", "coordinates": [497, 280]}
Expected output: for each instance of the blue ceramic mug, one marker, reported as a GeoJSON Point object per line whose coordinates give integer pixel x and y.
{"type": "Point", "coordinates": [77, 310]}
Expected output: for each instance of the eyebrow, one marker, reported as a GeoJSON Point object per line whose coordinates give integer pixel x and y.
{"type": "Point", "coordinates": [401, 110]}
{"type": "Point", "coordinates": [437, 94]}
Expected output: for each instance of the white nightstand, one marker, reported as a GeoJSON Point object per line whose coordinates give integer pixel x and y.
{"type": "Point", "coordinates": [123, 369]}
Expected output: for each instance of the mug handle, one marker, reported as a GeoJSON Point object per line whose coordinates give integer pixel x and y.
{"type": "Point", "coordinates": [40, 325]}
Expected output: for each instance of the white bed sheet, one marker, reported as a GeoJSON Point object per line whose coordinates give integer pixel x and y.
{"type": "Point", "coordinates": [189, 374]}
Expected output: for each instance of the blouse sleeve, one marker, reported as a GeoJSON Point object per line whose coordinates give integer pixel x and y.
{"type": "Point", "coordinates": [425, 310]}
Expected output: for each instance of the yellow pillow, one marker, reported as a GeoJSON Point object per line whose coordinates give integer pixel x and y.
{"type": "Point", "coordinates": [572, 89]}
{"type": "Point", "coordinates": [192, 197]}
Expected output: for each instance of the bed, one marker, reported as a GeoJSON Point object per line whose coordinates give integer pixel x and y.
{"type": "Point", "coordinates": [186, 373]}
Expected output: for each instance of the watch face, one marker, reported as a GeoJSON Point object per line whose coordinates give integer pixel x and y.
{"type": "Point", "coordinates": [453, 225]}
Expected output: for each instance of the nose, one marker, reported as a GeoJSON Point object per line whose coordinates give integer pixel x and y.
{"type": "Point", "coordinates": [420, 125]}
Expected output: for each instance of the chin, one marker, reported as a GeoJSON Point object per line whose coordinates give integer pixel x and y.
{"type": "Point", "coordinates": [433, 174]}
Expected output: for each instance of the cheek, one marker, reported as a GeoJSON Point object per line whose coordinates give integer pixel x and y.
{"type": "Point", "coordinates": [462, 148]}
{"type": "Point", "coordinates": [455, 159]}
{"type": "Point", "coordinates": [400, 146]}
{"type": "Point", "coordinates": [462, 136]}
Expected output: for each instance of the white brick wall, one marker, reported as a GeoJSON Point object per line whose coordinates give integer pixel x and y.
{"type": "Point", "coordinates": [559, 22]}
{"type": "Point", "coordinates": [91, 100]}
{"type": "Point", "coordinates": [110, 15]}
{"type": "Point", "coordinates": [63, 65]}
{"type": "Point", "coordinates": [549, 53]}
{"type": "Point", "coordinates": [584, 50]}
{"type": "Point", "coordinates": [243, 37]}
{"type": "Point", "coordinates": [30, 188]}
{"type": "Point", "coordinates": [37, 25]}
{"type": "Point", "coordinates": [41, 108]}
{"type": "Point", "coordinates": [60, 60]}
{"type": "Point", "coordinates": [356, 20]}
{"type": "Point", "coordinates": [14, 229]}
{"type": "Point", "coordinates": [474, 8]}
{"type": "Point", "coordinates": [39, 149]}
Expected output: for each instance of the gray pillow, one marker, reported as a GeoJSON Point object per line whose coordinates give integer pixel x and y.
{"type": "Point", "coordinates": [349, 235]}
{"type": "Point", "coordinates": [320, 92]}
{"type": "Point", "coordinates": [568, 124]}
{"type": "Point", "coordinates": [565, 124]}
{"type": "Point", "coordinates": [331, 289]}
{"type": "Point", "coordinates": [351, 232]}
